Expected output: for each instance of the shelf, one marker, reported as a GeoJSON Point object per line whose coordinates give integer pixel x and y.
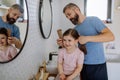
{"type": "Point", "coordinates": [4, 7]}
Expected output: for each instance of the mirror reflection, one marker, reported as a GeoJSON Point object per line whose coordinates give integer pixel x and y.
{"type": "Point", "coordinates": [13, 28]}
{"type": "Point", "coordinates": [45, 17]}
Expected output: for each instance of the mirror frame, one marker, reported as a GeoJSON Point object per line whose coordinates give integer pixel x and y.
{"type": "Point", "coordinates": [40, 20]}
{"type": "Point", "coordinates": [24, 38]}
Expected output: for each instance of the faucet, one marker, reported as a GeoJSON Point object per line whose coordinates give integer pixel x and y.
{"type": "Point", "coordinates": [52, 54]}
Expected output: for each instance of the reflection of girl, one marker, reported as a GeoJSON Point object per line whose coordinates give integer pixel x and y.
{"type": "Point", "coordinates": [7, 51]}
{"type": "Point", "coordinates": [70, 58]}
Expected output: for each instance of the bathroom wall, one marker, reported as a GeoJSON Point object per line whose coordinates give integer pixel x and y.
{"type": "Point", "coordinates": [36, 48]}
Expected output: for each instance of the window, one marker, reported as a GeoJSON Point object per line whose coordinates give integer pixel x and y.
{"type": "Point", "coordinates": [23, 3]}
{"type": "Point", "coordinates": [99, 8]}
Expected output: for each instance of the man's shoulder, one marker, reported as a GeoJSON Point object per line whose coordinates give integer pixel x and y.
{"type": "Point", "coordinates": [15, 25]}
{"type": "Point", "coordinates": [1, 20]}
{"type": "Point", "coordinates": [92, 17]}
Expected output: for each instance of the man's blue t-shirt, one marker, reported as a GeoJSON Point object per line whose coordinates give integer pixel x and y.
{"type": "Point", "coordinates": [92, 26]}
{"type": "Point", "coordinates": [14, 29]}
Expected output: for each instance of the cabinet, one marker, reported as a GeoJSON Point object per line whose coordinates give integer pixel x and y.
{"type": "Point", "coordinates": [113, 70]}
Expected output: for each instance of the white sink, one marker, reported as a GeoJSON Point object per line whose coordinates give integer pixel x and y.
{"type": "Point", "coordinates": [51, 67]}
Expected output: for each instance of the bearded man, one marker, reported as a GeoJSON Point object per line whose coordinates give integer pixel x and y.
{"type": "Point", "coordinates": [7, 21]}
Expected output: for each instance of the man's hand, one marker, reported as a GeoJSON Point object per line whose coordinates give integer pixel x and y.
{"type": "Point", "coordinates": [11, 40]}
{"type": "Point", "coordinates": [83, 39]}
{"type": "Point", "coordinates": [60, 42]}
{"type": "Point", "coordinates": [15, 41]}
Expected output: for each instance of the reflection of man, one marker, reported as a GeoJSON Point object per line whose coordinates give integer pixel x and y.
{"type": "Point", "coordinates": [8, 20]}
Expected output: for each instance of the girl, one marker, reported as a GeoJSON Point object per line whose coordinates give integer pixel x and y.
{"type": "Point", "coordinates": [70, 58]}
{"type": "Point", "coordinates": [7, 51]}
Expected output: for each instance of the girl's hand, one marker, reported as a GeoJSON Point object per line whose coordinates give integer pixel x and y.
{"type": "Point", "coordinates": [62, 76]}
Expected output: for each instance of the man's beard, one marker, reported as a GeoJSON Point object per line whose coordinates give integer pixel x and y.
{"type": "Point", "coordinates": [75, 19]}
{"type": "Point", "coordinates": [10, 20]}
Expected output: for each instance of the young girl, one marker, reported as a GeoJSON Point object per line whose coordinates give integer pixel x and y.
{"type": "Point", "coordinates": [70, 58]}
{"type": "Point", "coordinates": [7, 51]}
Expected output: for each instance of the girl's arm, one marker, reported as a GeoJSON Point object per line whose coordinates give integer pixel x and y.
{"type": "Point", "coordinates": [60, 70]}
{"type": "Point", "coordinates": [76, 72]}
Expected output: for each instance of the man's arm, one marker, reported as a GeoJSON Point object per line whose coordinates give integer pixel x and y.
{"type": "Point", "coordinates": [18, 43]}
{"type": "Point", "coordinates": [104, 36]}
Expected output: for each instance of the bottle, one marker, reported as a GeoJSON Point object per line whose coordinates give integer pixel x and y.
{"type": "Point", "coordinates": [42, 70]}
{"type": "Point", "coordinates": [44, 66]}
{"type": "Point", "coordinates": [41, 73]}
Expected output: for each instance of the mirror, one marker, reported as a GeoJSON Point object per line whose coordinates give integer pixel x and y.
{"type": "Point", "coordinates": [45, 18]}
{"type": "Point", "coordinates": [9, 52]}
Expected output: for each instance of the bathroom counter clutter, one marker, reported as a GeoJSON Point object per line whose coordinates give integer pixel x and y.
{"type": "Point", "coordinates": [45, 76]}
{"type": "Point", "coordinates": [112, 57]}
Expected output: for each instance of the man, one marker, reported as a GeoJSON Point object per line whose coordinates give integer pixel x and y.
{"type": "Point", "coordinates": [8, 20]}
{"type": "Point", "coordinates": [93, 32]}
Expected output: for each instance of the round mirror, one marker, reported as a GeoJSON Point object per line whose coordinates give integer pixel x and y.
{"type": "Point", "coordinates": [45, 18]}
{"type": "Point", "coordinates": [13, 28]}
